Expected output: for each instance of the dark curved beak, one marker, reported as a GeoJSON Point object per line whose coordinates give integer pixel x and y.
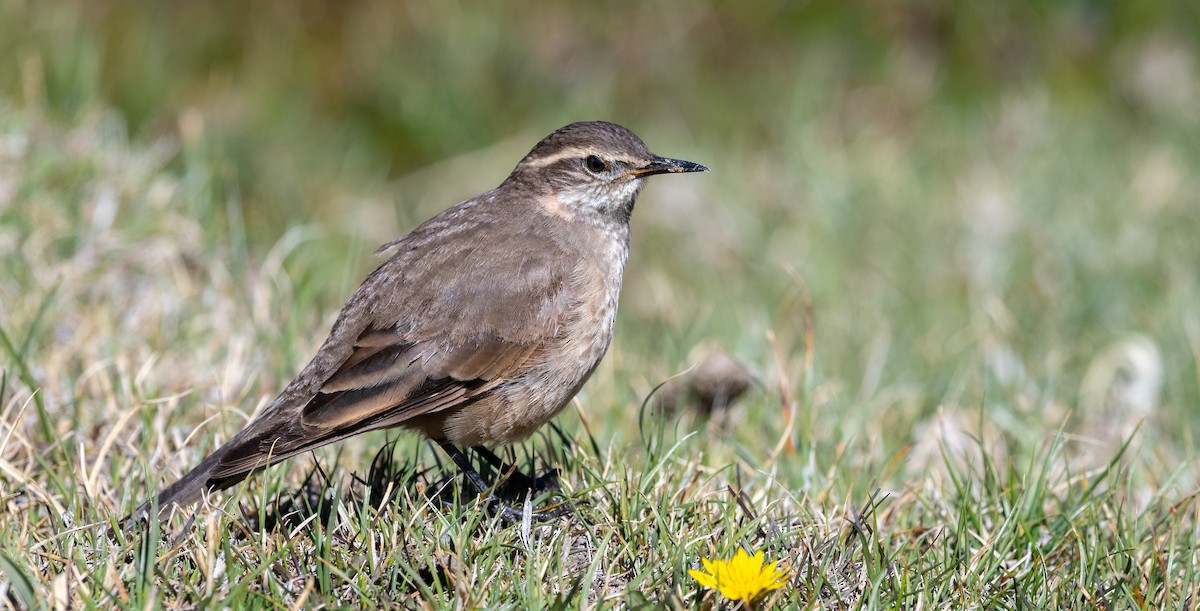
{"type": "Point", "coordinates": [666, 165]}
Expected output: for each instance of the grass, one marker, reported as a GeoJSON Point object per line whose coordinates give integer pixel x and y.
{"type": "Point", "coordinates": [978, 303]}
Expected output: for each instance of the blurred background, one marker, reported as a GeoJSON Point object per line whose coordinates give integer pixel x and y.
{"type": "Point", "coordinates": [991, 207]}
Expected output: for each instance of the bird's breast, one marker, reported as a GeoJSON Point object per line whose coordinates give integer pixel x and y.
{"type": "Point", "coordinates": [522, 405]}
{"type": "Point", "coordinates": [587, 328]}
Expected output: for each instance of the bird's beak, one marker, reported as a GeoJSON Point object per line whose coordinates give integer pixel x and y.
{"type": "Point", "coordinates": [666, 165]}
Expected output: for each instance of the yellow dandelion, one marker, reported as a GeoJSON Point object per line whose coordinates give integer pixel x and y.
{"type": "Point", "coordinates": [742, 577]}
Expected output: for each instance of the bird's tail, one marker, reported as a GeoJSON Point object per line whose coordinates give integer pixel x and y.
{"type": "Point", "coordinates": [190, 488]}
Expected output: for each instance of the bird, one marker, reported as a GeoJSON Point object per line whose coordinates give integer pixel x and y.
{"type": "Point", "coordinates": [481, 324]}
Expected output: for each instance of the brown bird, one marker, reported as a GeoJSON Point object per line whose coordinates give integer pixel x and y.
{"type": "Point", "coordinates": [480, 327]}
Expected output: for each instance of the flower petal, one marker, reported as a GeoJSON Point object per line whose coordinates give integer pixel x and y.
{"type": "Point", "coordinates": [743, 577]}
{"type": "Point", "coordinates": [704, 579]}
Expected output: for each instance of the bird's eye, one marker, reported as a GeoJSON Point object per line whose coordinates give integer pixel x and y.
{"type": "Point", "coordinates": [595, 164]}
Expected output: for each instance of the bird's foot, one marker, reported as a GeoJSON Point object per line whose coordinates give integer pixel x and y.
{"type": "Point", "coordinates": [513, 513]}
{"type": "Point", "coordinates": [513, 482]}
{"type": "Point", "coordinates": [511, 486]}
{"type": "Point", "coordinates": [515, 485]}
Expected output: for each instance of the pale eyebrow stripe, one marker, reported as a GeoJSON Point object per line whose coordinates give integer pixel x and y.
{"type": "Point", "coordinates": [573, 152]}
{"type": "Point", "coordinates": [563, 154]}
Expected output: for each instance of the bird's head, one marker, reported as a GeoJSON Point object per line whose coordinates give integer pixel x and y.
{"type": "Point", "coordinates": [594, 169]}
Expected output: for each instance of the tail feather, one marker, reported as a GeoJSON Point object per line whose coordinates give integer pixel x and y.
{"type": "Point", "coordinates": [190, 488]}
{"type": "Point", "coordinates": [227, 466]}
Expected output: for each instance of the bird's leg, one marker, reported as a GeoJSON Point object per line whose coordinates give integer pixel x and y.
{"type": "Point", "coordinates": [509, 512]}
{"type": "Point", "coordinates": [464, 465]}
{"type": "Point", "coordinates": [489, 456]}
{"type": "Point", "coordinates": [518, 479]}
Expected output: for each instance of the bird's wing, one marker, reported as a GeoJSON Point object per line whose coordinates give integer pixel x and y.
{"type": "Point", "coordinates": [403, 380]}
{"type": "Point", "coordinates": [450, 341]}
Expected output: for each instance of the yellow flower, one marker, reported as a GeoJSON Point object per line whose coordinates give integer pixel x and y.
{"type": "Point", "coordinates": [742, 577]}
